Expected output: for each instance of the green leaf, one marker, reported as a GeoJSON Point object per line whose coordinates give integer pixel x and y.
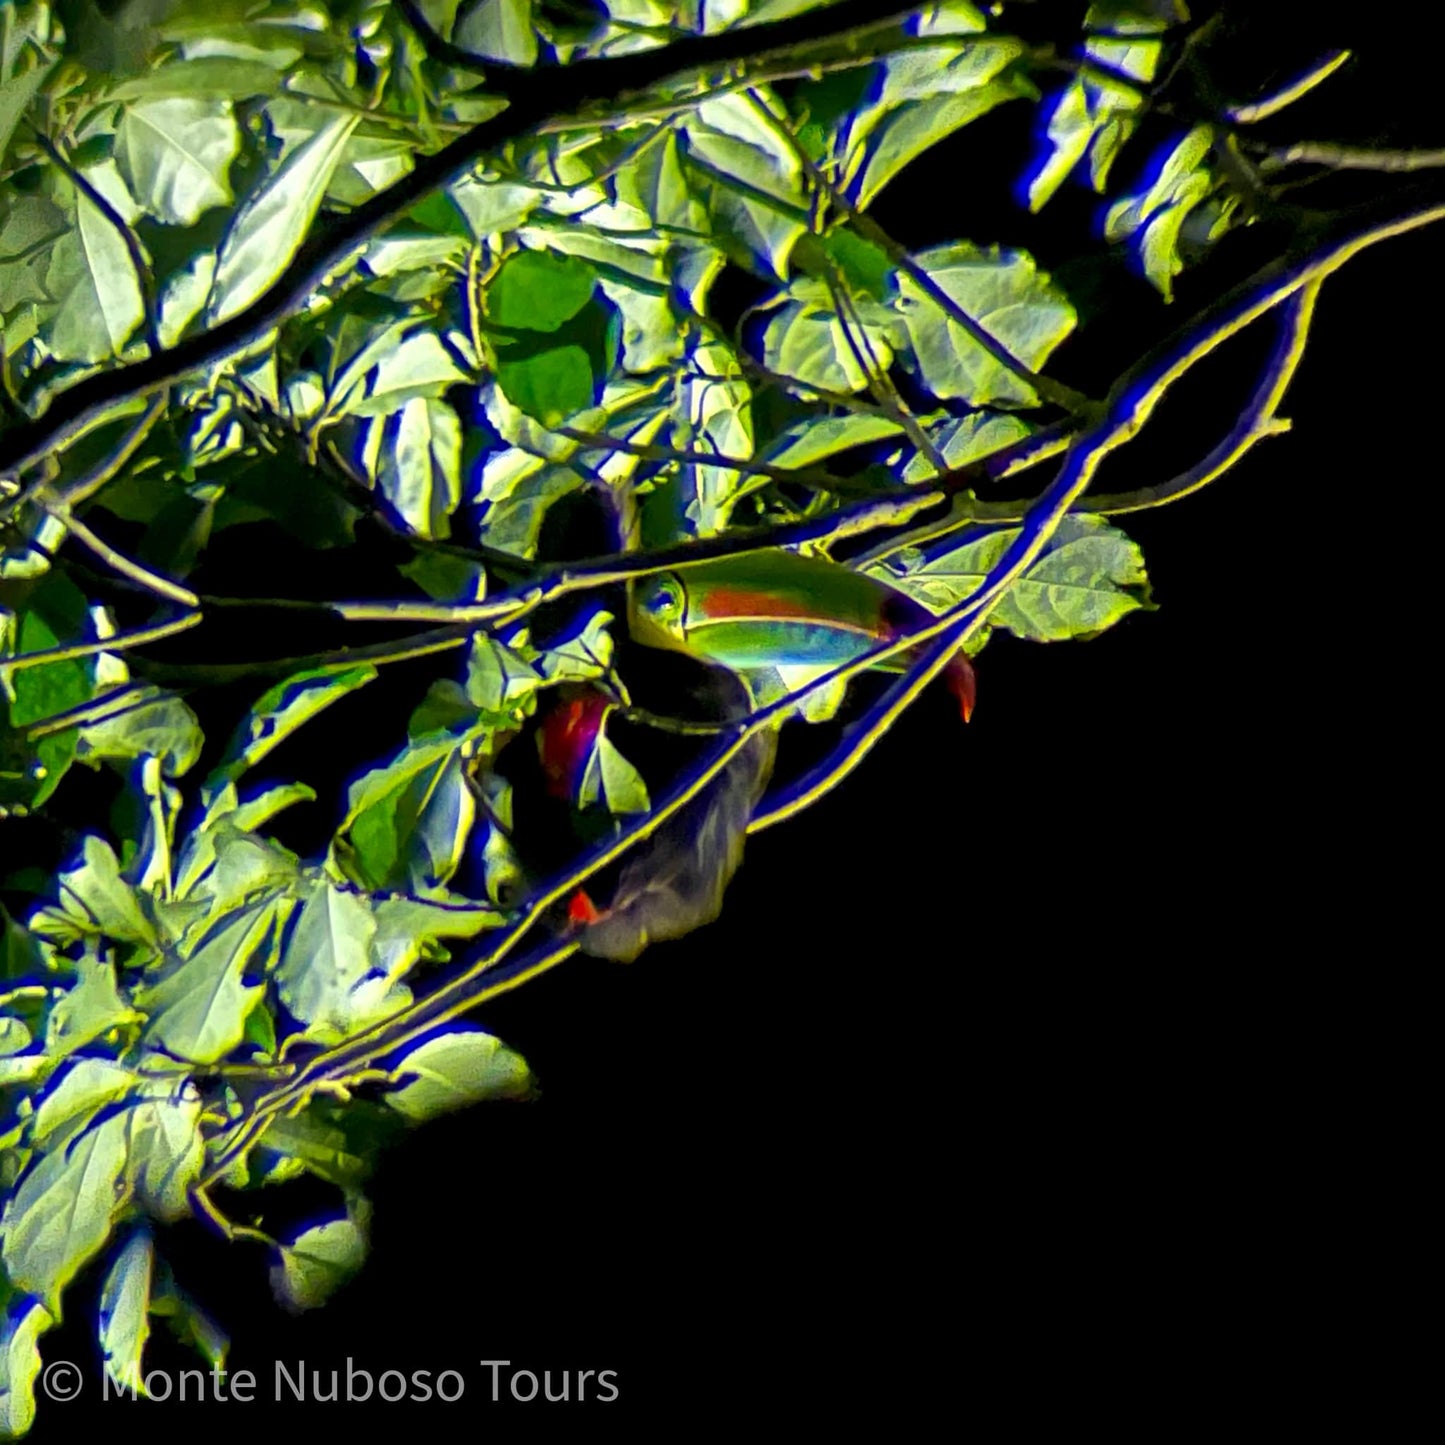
{"type": "Point", "coordinates": [21, 1325]}
{"type": "Point", "coordinates": [90, 1007]}
{"type": "Point", "coordinates": [810, 340]}
{"type": "Point", "coordinates": [16, 93]}
{"type": "Point", "coordinates": [95, 901]}
{"type": "Point", "coordinates": [656, 183]}
{"type": "Point", "coordinates": [60, 1216]}
{"type": "Point", "coordinates": [583, 655]}
{"type": "Point", "coordinates": [456, 1069]}
{"type": "Point", "coordinates": [99, 294]}
{"type": "Point", "coordinates": [176, 154]}
{"type": "Point", "coordinates": [407, 928]}
{"type": "Point", "coordinates": [215, 77]}
{"type": "Point", "coordinates": [167, 1152]}
{"type": "Point", "coordinates": [965, 439]}
{"type": "Point", "coordinates": [124, 1310]}
{"type": "Point", "coordinates": [501, 30]}
{"type": "Point", "coordinates": [549, 386]}
{"type": "Point", "coordinates": [198, 1010]}
{"type": "Point", "coordinates": [21, 957]}
{"type": "Point", "coordinates": [327, 976]}
{"type": "Point", "coordinates": [609, 779]}
{"type": "Point", "coordinates": [717, 403]}
{"type": "Point", "coordinates": [336, 1143]}
{"type": "Point", "coordinates": [271, 225]}
{"type": "Point", "coordinates": [28, 231]}
{"type": "Point", "coordinates": [747, 174]}
{"type": "Point", "coordinates": [223, 864]}
{"type": "Point", "coordinates": [1182, 184]}
{"type": "Point", "coordinates": [317, 1263]}
{"type": "Point", "coordinates": [1093, 116]}
{"type": "Point", "coordinates": [74, 1097]}
{"type": "Point", "coordinates": [1089, 577]}
{"type": "Point", "coordinates": [157, 725]}
{"type": "Point", "coordinates": [421, 464]}
{"type": "Point", "coordinates": [395, 365]}
{"type": "Point", "coordinates": [15, 1037]}
{"type": "Point", "coordinates": [252, 813]}
{"type": "Point", "coordinates": [1001, 291]}
{"type": "Point", "coordinates": [446, 578]}
{"type": "Point", "coordinates": [43, 692]}
{"type": "Point", "coordinates": [922, 95]}
{"type": "Point", "coordinates": [808, 442]}
{"type": "Point", "coordinates": [498, 677]}
{"type": "Point", "coordinates": [407, 822]}
{"type": "Point", "coordinates": [187, 1320]}
{"type": "Point", "coordinates": [537, 291]}
{"type": "Point", "coordinates": [914, 128]}
{"type": "Point", "coordinates": [865, 266]}
{"type": "Point", "coordinates": [493, 208]}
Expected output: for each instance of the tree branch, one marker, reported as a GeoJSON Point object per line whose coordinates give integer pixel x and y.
{"type": "Point", "coordinates": [1352, 158]}
{"type": "Point", "coordinates": [1270, 105]}
{"type": "Point", "coordinates": [119, 643]}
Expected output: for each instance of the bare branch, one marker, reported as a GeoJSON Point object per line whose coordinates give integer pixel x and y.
{"type": "Point", "coordinates": [126, 566]}
{"type": "Point", "coordinates": [1352, 158]}
{"type": "Point", "coordinates": [119, 643]}
{"type": "Point", "coordinates": [1296, 89]}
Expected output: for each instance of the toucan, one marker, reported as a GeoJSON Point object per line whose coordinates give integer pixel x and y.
{"type": "Point", "coordinates": [707, 642]}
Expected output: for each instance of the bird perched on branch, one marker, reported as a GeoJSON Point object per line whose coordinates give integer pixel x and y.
{"type": "Point", "coordinates": [712, 635]}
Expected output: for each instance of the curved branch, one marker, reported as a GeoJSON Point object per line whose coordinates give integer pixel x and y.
{"type": "Point", "coordinates": [1287, 95]}
{"type": "Point", "coordinates": [1132, 401]}
{"type": "Point", "coordinates": [1256, 422]}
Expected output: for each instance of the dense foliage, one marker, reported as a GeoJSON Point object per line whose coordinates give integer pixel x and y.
{"type": "Point", "coordinates": [356, 281]}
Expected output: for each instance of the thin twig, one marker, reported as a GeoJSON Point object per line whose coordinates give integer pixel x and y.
{"type": "Point", "coordinates": [112, 704]}
{"type": "Point", "coordinates": [1352, 158]}
{"type": "Point", "coordinates": [423, 644]}
{"type": "Point", "coordinates": [119, 643]}
{"type": "Point", "coordinates": [118, 561]}
{"type": "Point", "coordinates": [813, 477]}
{"type": "Point", "coordinates": [1256, 422]}
{"type": "Point", "coordinates": [106, 471]}
{"type": "Point", "coordinates": [1296, 89]}
{"type": "Point", "coordinates": [880, 384]}
{"type": "Point", "coordinates": [203, 1206]}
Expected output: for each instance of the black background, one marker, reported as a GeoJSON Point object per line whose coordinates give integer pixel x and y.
{"type": "Point", "coordinates": [1059, 1062]}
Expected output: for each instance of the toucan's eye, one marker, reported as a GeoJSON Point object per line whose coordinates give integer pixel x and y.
{"type": "Point", "coordinates": [661, 598]}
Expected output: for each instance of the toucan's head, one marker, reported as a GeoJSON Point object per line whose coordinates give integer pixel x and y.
{"type": "Point", "coordinates": [657, 607]}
